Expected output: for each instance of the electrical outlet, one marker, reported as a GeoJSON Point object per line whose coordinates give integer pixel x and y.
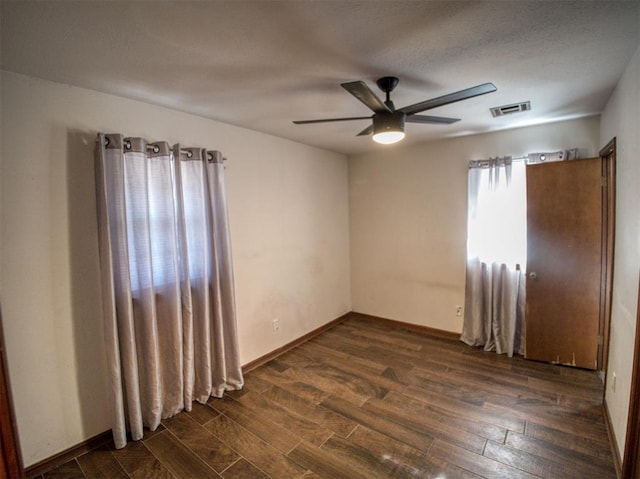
{"type": "Point", "coordinates": [275, 324]}
{"type": "Point", "coordinates": [613, 382]}
{"type": "Point", "coordinates": [459, 311]}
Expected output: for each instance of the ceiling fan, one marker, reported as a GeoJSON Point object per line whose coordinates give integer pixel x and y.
{"type": "Point", "coordinates": [387, 121]}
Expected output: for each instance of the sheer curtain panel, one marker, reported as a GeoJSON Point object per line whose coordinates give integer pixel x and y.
{"type": "Point", "coordinates": [496, 247]}
{"type": "Point", "coordinates": [167, 280]}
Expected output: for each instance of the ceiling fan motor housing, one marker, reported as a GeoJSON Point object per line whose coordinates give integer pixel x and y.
{"type": "Point", "coordinates": [392, 121]}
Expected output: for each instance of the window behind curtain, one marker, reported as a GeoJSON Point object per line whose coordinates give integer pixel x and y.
{"type": "Point", "coordinates": [497, 222]}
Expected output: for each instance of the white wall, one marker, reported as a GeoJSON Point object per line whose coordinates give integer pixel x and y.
{"type": "Point", "coordinates": [408, 214]}
{"type": "Point", "coordinates": [621, 118]}
{"type": "Point", "coordinates": [289, 218]}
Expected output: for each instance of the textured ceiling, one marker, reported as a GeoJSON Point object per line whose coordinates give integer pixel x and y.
{"type": "Point", "coordinates": [262, 64]}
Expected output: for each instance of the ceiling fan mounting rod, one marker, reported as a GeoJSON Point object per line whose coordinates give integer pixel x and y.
{"type": "Point", "coordinates": [387, 84]}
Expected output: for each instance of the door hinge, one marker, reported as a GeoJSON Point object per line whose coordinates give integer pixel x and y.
{"type": "Point", "coordinates": [600, 340]}
{"type": "Point", "coordinates": [604, 181]}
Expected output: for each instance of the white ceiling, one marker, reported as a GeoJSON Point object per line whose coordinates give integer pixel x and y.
{"type": "Point", "coordinates": [262, 64]}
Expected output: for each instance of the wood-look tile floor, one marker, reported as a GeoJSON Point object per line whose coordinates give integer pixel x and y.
{"type": "Point", "coordinates": [365, 400]}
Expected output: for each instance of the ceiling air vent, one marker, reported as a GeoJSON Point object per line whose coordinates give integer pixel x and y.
{"type": "Point", "coordinates": [509, 109]}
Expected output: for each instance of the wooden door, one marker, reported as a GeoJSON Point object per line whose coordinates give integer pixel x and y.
{"type": "Point", "coordinates": [564, 260]}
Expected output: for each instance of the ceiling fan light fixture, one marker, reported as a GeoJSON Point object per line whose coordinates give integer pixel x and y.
{"type": "Point", "coordinates": [388, 128]}
{"type": "Point", "coordinates": [388, 137]}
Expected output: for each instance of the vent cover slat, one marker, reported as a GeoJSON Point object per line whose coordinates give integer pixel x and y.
{"type": "Point", "coordinates": [510, 109]}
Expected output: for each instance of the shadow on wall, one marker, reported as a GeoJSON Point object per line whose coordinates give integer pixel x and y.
{"type": "Point", "coordinates": [86, 302]}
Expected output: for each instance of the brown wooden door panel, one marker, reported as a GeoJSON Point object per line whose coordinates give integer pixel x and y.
{"type": "Point", "coordinates": [564, 241]}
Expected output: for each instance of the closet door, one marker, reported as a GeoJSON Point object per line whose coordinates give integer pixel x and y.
{"type": "Point", "coordinates": [564, 254]}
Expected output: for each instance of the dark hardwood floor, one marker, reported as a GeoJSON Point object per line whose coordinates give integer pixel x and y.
{"type": "Point", "coordinates": [365, 400]}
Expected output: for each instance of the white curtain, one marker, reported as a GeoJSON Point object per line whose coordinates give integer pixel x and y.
{"type": "Point", "coordinates": [167, 280]}
{"type": "Point", "coordinates": [496, 247]}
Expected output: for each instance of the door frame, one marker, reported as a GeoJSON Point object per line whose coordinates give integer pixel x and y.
{"type": "Point", "coordinates": [11, 457]}
{"type": "Point", "coordinates": [631, 458]}
{"type": "Point", "coordinates": [608, 156]}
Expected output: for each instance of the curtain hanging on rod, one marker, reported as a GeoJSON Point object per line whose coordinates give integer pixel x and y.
{"type": "Point", "coordinates": [167, 280]}
{"type": "Point", "coordinates": [496, 247]}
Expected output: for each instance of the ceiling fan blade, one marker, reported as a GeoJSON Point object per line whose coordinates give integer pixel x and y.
{"type": "Point", "coordinates": [450, 98]}
{"type": "Point", "coordinates": [437, 120]}
{"type": "Point", "coordinates": [367, 131]}
{"type": "Point", "coordinates": [326, 120]}
{"type": "Point", "coordinates": [362, 92]}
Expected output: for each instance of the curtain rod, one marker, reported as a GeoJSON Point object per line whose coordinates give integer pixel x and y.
{"type": "Point", "coordinates": [534, 158]}
{"type": "Point", "coordinates": [156, 149]}
{"type": "Point", "coordinates": [485, 162]}
{"type": "Point", "coordinates": [188, 151]}
{"type": "Point", "coordinates": [520, 158]}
